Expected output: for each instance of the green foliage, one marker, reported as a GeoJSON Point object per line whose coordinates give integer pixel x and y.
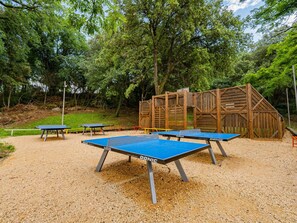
{"type": "Point", "coordinates": [163, 45]}
{"type": "Point", "coordinates": [38, 45]}
{"type": "Point", "coordinates": [273, 79]}
{"type": "Point", "coordinates": [275, 13]}
{"type": "Point", "coordinates": [3, 133]}
{"type": "Point", "coordinates": [6, 149]}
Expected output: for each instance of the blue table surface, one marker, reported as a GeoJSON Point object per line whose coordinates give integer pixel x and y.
{"type": "Point", "coordinates": [155, 148]}
{"type": "Point", "coordinates": [94, 125]}
{"type": "Point", "coordinates": [52, 127]}
{"type": "Point", "coordinates": [200, 135]}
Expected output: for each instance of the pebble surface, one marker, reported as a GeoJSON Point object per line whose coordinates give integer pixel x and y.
{"type": "Point", "coordinates": [56, 181]}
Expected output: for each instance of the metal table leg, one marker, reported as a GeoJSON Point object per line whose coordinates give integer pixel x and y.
{"type": "Point", "coordinates": [84, 130]}
{"type": "Point", "coordinates": [57, 133]}
{"type": "Point", "coordinates": [181, 171]}
{"type": "Point", "coordinates": [62, 132]}
{"type": "Point", "coordinates": [129, 160]}
{"type": "Point", "coordinates": [45, 135]}
{"type": "Point", "coordinates": [212, 156]}
{"type": "Point", "coordinates": [152, 183]}
{"type": "Point", "coordinates": [102, 159]}
{"type": "Point", "coordinates": [42, 134]}
{"type": "Point", "coordinates": [91, 132]}
{"type": "Point", "coordinates": [102, 131]}
{"type": "Point", "coordinates": [221, 148]}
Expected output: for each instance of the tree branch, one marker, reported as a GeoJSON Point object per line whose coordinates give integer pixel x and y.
{"type": "Point", "coordinates": [19, 6]}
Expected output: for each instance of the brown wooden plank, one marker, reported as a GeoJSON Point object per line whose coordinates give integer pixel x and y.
{"type": "Point", "coordinates": [250, 112]}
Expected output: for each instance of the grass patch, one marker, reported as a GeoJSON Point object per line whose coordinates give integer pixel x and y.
{"type": "Point", "coordinates": [75, 120]}
{"type": "Point", "coordinates": [4, 133]}
{"type": "Point", "coordinates": [6, 149]}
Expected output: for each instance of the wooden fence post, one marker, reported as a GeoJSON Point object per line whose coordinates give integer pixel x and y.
{"type": "Point", "coordinates": [153, 112]}
{"type": "Point", "coordinates": [218, 102]}
{"type": "Point", "coordinates": [194, 110]}
{"type": "Point", "coordinates": [166, 111]}
{"type": "Point", "coordinates": [280, 128]}
{"type": "Point", "coordinates": [139, 114]}
{"type": "Point", "coordinates": [185, 110]}
{"type": "Point", "coordinates": [249, 110]}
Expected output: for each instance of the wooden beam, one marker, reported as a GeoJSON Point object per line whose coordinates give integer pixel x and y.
{"type": "Point", "coordinates": [153, 112]}
{"type": "Point", "coordinates": [166, 111]}
{"type": "Point", "coordinates": [280, 128]}
{"type": "Point", "coordinates": [150, 113]}
{"type": "Point", "coordinates": [195, 110]}
{"type": "Point", "coordinates": [218, 103]}
{"type": "Point", "coordinates": [249, 110]}
{"type": "Point", "coordinates": [139, 116]}
{"type": "Point", "coordinates": [185, 111]}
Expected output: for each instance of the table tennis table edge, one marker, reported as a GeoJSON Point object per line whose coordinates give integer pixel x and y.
{"type": "Point", "coordinates": [136, 155]}
{"type": "Point", "coordinates": [197, 137]}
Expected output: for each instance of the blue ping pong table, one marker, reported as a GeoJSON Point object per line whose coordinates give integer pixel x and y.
{"type": "Point", "coordinates": [207, 136]}
{"type": "Point", "coordinates": [47, 128]}
{"type": "Point", "coordinates": [93, 127]}
{"type": "Point", "coordinates": [150, 149]}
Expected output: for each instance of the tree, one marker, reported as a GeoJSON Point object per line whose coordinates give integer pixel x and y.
{"type": "Point", "coordinates": [183, 42]}
{"type": "Point", "coordinates": [35, 38]}
{"type": "Point", "coordinates": [277, 48]}
{"type": "Point", "coordinates": [273, 78]}
{"type": "Point", "coordinates": [276, 13]}
{"type": "Point", "coordinates": [107, 72]}
{"type": "Point", "coordinates": [16, 33]}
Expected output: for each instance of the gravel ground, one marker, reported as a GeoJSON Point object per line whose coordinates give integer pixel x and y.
{"type": "Point", "coordinates": [55, 181]}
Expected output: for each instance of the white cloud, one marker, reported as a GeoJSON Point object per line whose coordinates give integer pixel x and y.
{"type": "Point", "coordinates": [235, 5]}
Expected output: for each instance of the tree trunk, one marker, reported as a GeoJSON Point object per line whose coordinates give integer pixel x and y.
{"type": "Point", "coordinates": [45, 94]}
{"type": "Point", "coordinates": [3, 97]}
{"type": "Point", "coordinates": [170, 68]}
{"type": "Point", "coordinates": [9, 98]}
{"type": "Point", "coordinates": [119, 106]}
{"type": "Point", "coordinates": [75, 100]}
{"type": "Point", "coordinates": [156, 80]}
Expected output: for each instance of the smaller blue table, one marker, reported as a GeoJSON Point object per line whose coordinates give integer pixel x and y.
{"type": "Point", "coordinates": [47, 128]}
{"type": "Point", "coordinates": [207, 136]}
{"type": "Point", "coordinates": [93, 127]}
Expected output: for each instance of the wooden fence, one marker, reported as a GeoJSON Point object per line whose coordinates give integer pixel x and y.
{"type": "Point", "coordinates": [240, 110]}
{"type": "Point", "coordinates": [145, 113]}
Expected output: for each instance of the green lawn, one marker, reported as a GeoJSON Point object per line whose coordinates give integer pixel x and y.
{"type": "Point", "coordinates": [75, 120]}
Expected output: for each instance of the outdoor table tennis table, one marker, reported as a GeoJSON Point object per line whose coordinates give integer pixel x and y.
{"type": "Point", "coordinates": [47, 128]}
{"type": "Point", "coordinates": [149, 148]}
{"type": "Point", "coordinates": [93, 127]}
{"type": "Point", "coordinates": [207, 136]}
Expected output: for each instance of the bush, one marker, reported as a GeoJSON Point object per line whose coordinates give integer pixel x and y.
{"type": "Point", "coordinates": [5, 149]}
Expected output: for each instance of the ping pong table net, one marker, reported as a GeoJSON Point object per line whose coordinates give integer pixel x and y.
{"type": "Point", "coordinates": [188, 132]}
{"type": "Point", "coordinates": [118, 141]}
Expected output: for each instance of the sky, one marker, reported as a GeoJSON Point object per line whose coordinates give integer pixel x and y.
{"type": "Point", "coordinates": [244, 9]}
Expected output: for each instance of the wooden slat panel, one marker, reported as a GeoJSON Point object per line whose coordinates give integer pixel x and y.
{"type": "Point", "coordinates": [240, 110]}
{"type": "Point", "coordinates": [145, 113]}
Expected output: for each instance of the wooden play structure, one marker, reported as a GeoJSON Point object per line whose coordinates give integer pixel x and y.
{"type": "Point", "coordinates": [240, 110]}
